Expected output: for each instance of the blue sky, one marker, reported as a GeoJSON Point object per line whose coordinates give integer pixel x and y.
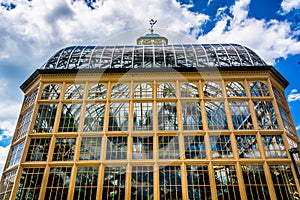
{"type": "Point", "coordinates": [33, 30]}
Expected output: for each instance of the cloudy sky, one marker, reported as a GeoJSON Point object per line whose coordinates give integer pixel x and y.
{"type": "Point", "coordinates": [32, 30]}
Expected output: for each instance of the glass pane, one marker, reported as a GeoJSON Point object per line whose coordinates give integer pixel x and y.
{"type": "Point", "coordinates": [30, 99]}
{"type": "Point", "coordinates": [198, 182]}
{"type": "Point", "coordinates": [212, 89]}
{"type": "Point", "coordinates": [64, 149]}
{"type": "Point", "coordinates": [45, 117]}
{"type": "Point", "coordinates": [38, 149]}
{"type": "Point", "coordinates": [24, 123]}
{"type": "Point", "coordinates": [69, 119]}
{"type": "Point", "coordinates": [274, 146]}
{"type": "Point", "coordinates": [51, 92]}
{"type": "Point", "coordinates": [114, 183]}
{"type": "Point", "coordinates": [259, 89]}
{"type": "Point", "coordinates": [142, 147]}
{"type": "Point", "coordinates": [118, 117]}
{"type": "Point", "coordinates": [189, 90]}
{"type": "Point", "coordinates": [16, 154]}
{"type": "Point", "coordinates": [216, 116]}
{"type": "Point", "coordinates": [143, 118]}
{"type": "Point", "coordinates": [30, 183]}
{"type": "Point", "coordinates": [94, 118]}
{"type": "Point", "coordinates": [167, 116]}
{"type": "Point", "coordinates": [142, 183]}
{"type": "Point", "coordinates": [194, 147]}
{"type": "Point", "coordinates": [74, 91]}
{"type": "Point", "coordinates": [221, 146]}
{"type": "Point", "coordinates": [247, 146]}
{"type": "Point", "coordinates": [191, 116]}
{"type": "Point", "coordinates": [86, 183]}
{"type": "Point", "coordinates": [235, 89]}
{"type": "Point", "coordinates": [7, 182]}
{"type": "Point", "coordinates": [227, 182]}
{"type": "Point", "coordinates": [120, 91]}
{"type": "Point", "coordinates": [170, 183]}
{"type": "Point", "coordinates": [168, 147]}
{"type": "Point", "coordinates": [97, 91]}
{"type": "Point", "coordinates": [255, 182]}
{"type": "Point", "coordinates": [265, 115]}
{"type": "Point", "coordinates": [143, 90]}
{"type": "Point", "coordinates": [166, 90]}
{"type": "Point", "coordinates": [58, 183]}
{"type": "Point", "coordinates": [90, 148]}
{"type": "Point", "coordinates": [116, 148]}
{"type": "Point", "coordinates": [240, 114]}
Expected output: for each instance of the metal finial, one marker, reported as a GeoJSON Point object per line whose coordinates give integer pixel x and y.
{"type": "Point", "coordinates": [152, 22]}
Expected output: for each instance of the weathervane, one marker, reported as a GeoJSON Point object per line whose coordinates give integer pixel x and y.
{"type": "Point", "coordinates": [152, 22]}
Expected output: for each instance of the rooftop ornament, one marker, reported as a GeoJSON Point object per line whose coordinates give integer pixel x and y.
{"type": "Point", "coordinates": [152, 23]}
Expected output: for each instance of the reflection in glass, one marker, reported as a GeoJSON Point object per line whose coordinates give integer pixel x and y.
{"type": "Point", "coordinates": [287, 123]}
{"type": "Point", "coordinates": [69, 119]}
{"type": "Point", "coordinates": [142, 183]}
{"type": "Point", "coordinates": [94, 117]}
{"type": "Point", "coordinates": [194, 147]}
{"type": "Point", "coordinates": [90, 148]}
{"type": "Point", "coordinates": [255, 182]}
{"type": "Point", "coordinates": [284, 183]}
{"type": "Point", "coordinates": [30, 99]}
{"type": "Point", "coordinates": [86, 183]}
{"type": "Point", "coordinates": [143, 90]}
{"type": "Point", "coordinates": [143, 118]}
{"type": "Point", "coordinates": [30, 183]}
{"type": "Point", "coordinates": [189, 90]}
{"type": "Point", "coordinates": [24, 123]}
{"type": "Point", "coordinates": [120, 91]}
{"type": "Point", "coordinates": [274, 146]}
{"type": "Point", "coordinates": [168, 147]}
{"type": "Point", "coordinates": [240, 114]}
{"type": "Point", "coordinates": [118, 117]}
{"type": "Point", "coordinates": [16, 154]}
{"type": "Point", "coordinates": [216, 115]}
{"type": "Point", "coordinates": [58, 183]}
{"type": "Point", "coordinates": [38, 149]}
{"type": "Point", "coordinates": [114, 183]}
{"type": "Point", "coordinates": [265, 115]}
{"type": "Point", "coordinates": [227, 182]}
{"type": "Point", "coordinates": [198, 182]}
{"type": "Point", "coordinates": [247, 146]}
{"type": "Point", "coordinates": [221, 146]}
{"type": "Point", "coordinates": [45, 117]}
{"type": "Point", "coordinates": [116, 148]}
{"type": "Point", "coordinates": [166, 90]}
{"type": "Point", "coordinates": [170, 183]}
{"type": "Point", "coordinates": [142, 147]}
{"type": "Point", "coordinates": [191, 116]}
{"type": "Point", "coordinates": [74, 91]}
{"type": "Point", "coordinates": [212, 89]}
{"type": "Point", "coordinates": [97, 91]}
{"type": "Point", "coordinates": [167, 116]}
{"type": "Point", "coordinates": [64, 149]}
{"type": "Point", "coordinates": [7, 183]}
{"type": "Point", "coordinates": [235, 89]}
{"type": "Point", "coordinates": [51, 92]}
{"type": "Point", "coordinates": [259, 89]}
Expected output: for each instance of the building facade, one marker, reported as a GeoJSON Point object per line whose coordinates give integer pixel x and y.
{"type": "Point", "coordinates": [196, 121]}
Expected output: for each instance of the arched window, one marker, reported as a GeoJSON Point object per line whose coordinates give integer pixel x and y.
{"type": "Point", "coordinates": [143, 90]}
{"type": "Point", "coordinates": [120, 91]}
{"type": "Point", "coordinates": [189, 90]}
{"type": "Point", "coordinates": [74, 91]}
{"type": "Point", "coordinates": [166, 90]}
{"type": "Point", "coordinates": [259, 89]}
{"type": "Point", "coordinates": [97, 91]}
{"type": "Point", "coordinates": [51, 91]}
{"type": "Point", "coordinates": [235, 89]}
{"type": "Point", "coordinates": [212, 89]}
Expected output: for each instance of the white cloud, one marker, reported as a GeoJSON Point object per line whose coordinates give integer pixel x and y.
{"type": "Point", "coordinates": [7, 128]}
{"type": "Point", "coordinates": [294, 96]}
{"type": "Point", "coordinates": [298, 127]}
{"type": "Point", "coordinates": [288, 5]}
{"type": "Point", "coordinates": [3, 156]}
{"type": "Point", "coordinates": [270, 39]}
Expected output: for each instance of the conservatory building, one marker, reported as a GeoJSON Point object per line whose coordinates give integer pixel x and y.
{"type": "Point", "coordinates": [153, 121]}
